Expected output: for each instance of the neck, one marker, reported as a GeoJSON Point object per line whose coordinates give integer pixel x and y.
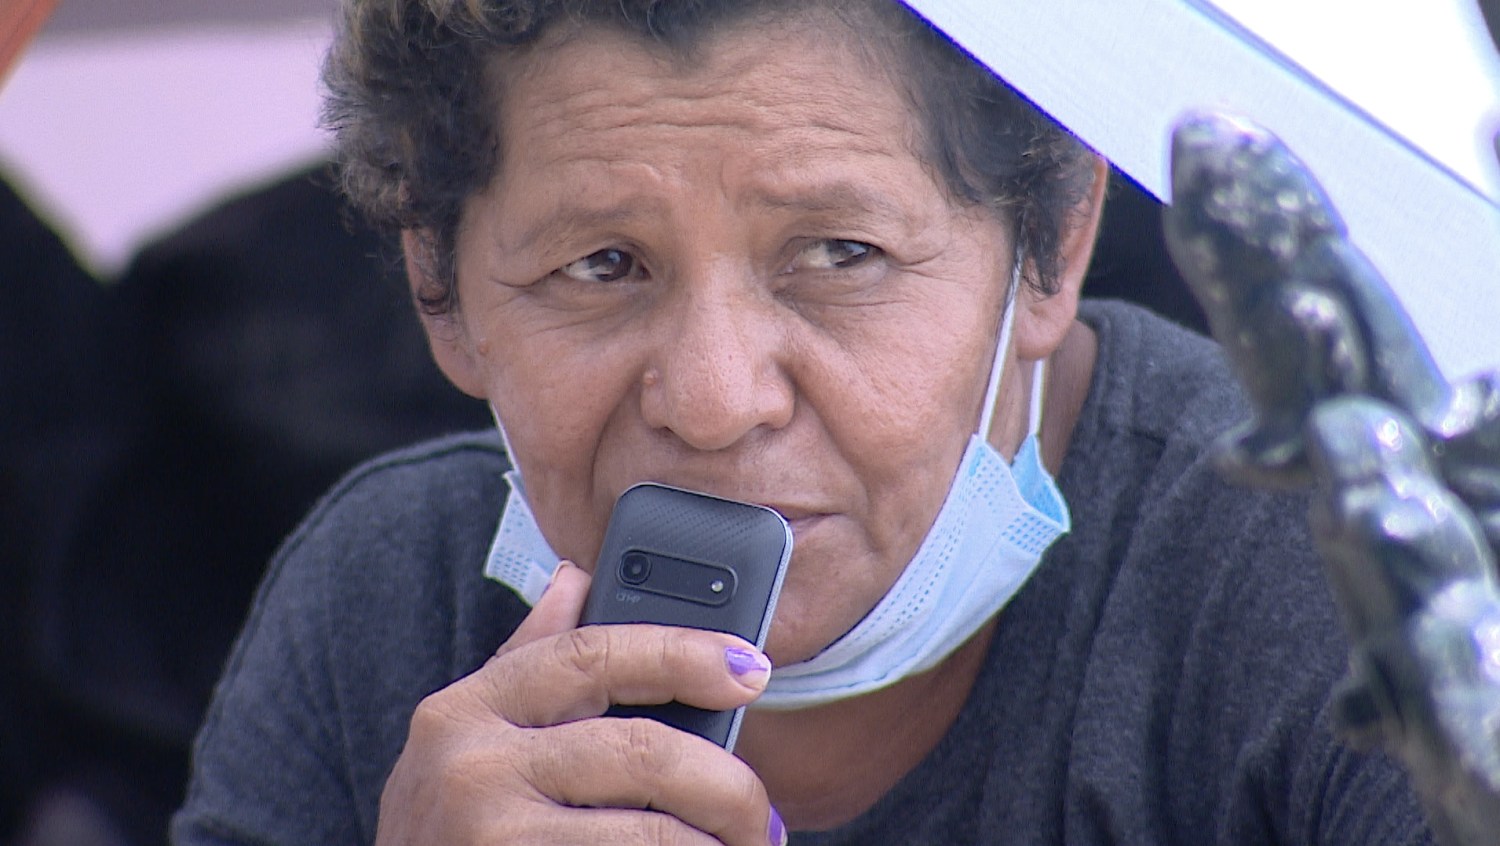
{"type": "Point", "coordinates": [824, 766]}
{"type": "Point", "coordinates": [1069, 371]}
{"type": "Point", "coordinates": [1068, 380]}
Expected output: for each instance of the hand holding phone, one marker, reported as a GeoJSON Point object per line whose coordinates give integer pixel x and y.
{"type": "Point", "coordinates": [549, 774]}
{"type": "Point", "coordinates": [681, 558]}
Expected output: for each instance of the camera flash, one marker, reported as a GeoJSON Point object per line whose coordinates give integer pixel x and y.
{"type": "Point", "coordinates": [717, 586]}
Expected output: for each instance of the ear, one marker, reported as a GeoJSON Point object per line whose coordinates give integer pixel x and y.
{"type": "Point", "coordinates": [1048, 317]}
{"type": "Point", "coordinates": [447, 337]}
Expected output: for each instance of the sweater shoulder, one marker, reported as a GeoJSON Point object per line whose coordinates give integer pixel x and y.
{"type": "Point", "coordinates": [426, 482]}
{"type": "Point", "coordinates": [1158, 380]}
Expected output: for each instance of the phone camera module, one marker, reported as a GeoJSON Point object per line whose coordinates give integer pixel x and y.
{"type": "Point", "coordinates": [635, 568]}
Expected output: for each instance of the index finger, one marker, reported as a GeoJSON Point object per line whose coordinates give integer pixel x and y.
{"type": "Point", "coordinates": [557, 611]}
{"type": "Point", "coordinates": [581, 672]}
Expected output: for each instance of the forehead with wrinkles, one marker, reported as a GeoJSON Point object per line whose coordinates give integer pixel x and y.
{"type": "Point", "coordinates": [766, 110]}
{"type": "Point", "coordinates": [809, 83]}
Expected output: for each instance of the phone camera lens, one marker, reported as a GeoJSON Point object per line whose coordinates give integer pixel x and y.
{"type": "Point", "coordinates": [635, 567]}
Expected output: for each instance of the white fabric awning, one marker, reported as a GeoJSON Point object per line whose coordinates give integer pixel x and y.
{"type": "Point", "coordinates": [1392, 104]}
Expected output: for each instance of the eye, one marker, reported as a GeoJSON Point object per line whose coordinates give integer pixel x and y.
{"type": "Point", "coordinates": [834, 254]}
{"type": "Point", "coordinates": [609, 265]}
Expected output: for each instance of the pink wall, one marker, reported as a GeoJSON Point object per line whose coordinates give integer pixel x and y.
{"type": "Point", "coordinates": [127, 115]}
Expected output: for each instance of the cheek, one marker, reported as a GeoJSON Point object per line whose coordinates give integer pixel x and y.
{"type": "Point", "coordinates": [910, 401]}
{"type": "Point", "coordinates": [920, 383]}
{"type": "Point", "coordinates": [557, 398]}
{"type": "Point", "coordinates": [907, 478]}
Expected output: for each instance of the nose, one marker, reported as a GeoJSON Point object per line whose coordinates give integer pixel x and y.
{"type": "Point", "coordinates": [717, 376]}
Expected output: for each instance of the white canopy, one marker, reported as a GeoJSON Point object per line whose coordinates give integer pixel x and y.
{"type": "Point", "coordinates": [1392, 103]}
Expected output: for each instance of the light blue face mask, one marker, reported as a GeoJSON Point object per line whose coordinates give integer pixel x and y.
{"type": "Point", "coordinates": [988, 538]}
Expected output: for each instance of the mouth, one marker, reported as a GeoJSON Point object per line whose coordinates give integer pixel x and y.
{"type": "Point", "coordinates": [798, 518]}
{"type": "Point", "coordinates": [801, 518]}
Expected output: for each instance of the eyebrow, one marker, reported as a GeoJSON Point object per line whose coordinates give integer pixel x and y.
{"type": "Point", "coordinates": [568, 218]}
{"type": "Point", "coordinates": [842, 196]}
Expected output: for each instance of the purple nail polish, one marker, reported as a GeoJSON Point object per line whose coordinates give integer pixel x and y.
{"type": "Point", "coordinates": [745, 661]}
{"type": "Point", "coordinates": [776, 833]}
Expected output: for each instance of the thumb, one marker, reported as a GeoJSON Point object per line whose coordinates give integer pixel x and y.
{"type": "Point", "coordinates": [556, 612]}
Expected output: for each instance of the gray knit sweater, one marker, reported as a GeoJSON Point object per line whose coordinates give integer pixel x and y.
{"type": "Point", "coordinates": [1163, 678]}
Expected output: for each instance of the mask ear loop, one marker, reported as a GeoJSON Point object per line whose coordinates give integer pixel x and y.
{"type": "Point", "coordinates": [1038, 383]}
{"type": "Point", "coordinates": [1038, 398]}
{"type": "Point", "coordinates": [997, 364]}
{"type": "Point", "coordinates": [510, 453]}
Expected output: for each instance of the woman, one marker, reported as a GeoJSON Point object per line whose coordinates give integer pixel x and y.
{"type": "Point", "coordinates": [806, 255]}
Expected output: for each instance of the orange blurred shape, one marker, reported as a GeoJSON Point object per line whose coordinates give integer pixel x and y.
{"type": "Point", "coordinates": [19, 21]}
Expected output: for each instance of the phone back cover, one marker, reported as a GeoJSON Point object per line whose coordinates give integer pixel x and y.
{"type": "Point", "coordinates": [751, 541]}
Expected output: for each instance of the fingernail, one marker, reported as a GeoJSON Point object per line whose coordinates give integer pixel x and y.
{"type": "Point", "coordinates": [776, 832]}
{"type": "Point", "coordinates": [743, 662]}
{"type": "Point", "coordinates": [555, 570]}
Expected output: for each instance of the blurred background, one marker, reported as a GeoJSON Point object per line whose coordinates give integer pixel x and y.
{"type": "Point", "coordinates": [125, 116]}
{"type": "Point", "coordinates": [196, 340]}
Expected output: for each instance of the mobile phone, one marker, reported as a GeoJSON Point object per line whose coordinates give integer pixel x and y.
{"type": "Point", "coordinates": [682, 558]}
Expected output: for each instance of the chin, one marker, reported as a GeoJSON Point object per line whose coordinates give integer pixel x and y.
{"type": "Point", "coordinates": [802, 627]}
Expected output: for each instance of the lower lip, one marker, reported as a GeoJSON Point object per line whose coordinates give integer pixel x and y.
{"type": "Point", "coordinates": [804, 524]}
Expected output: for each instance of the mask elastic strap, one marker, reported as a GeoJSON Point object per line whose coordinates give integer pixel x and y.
{"type": "Point", "coordinates": [1038, 396]}
{"type": "Point", "coordinates": [997, 364]}
{"type": "Point", "coordinates": [1038, 399]}
{"type": "Point", "coordinates": [510, 454]}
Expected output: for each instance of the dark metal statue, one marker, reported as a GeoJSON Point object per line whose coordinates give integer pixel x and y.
{"type": "Point", "coordinates": [1301, 312]}
{"type": "Point", "coordinates": [1415, 579]}
{"type": "Point", "coordinates": [1407, 466]}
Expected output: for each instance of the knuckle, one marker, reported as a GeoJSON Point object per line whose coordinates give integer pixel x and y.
{"type": "Point", "coordinates": [747, 791]}
{"type": "Point", "coordinates": [586, 649]}
{"type": "Point", "coordinates": [674, 651]}
{"type": "Point", "coordinates": [644, 750]}
{"type": "Point", "coordinates": [495, 685]}
{"type": "Point", "coordinates": [639, 748]}
{"type": "Point", "coordinates": [453, 739]}
{"type": "Point", "coordinates": [658, 828]}
{"type": "Point", "coordinates": [433, 717]}
{"type": "Point", "coordinates": [551, 768]}
{"type": "Point", "coordinates": [481, 697]}
{"type": "Point", "coordinates": [665, 830]}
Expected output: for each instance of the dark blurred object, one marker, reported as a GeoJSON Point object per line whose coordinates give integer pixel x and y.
{"type": "Point", "coordinates": [1491, 11]}
{"type": "Point", "coordinates": [270, 350]}
{"type": "Point", "coordinates": [1131, 261]}
{"type": "Point", "coordinates": [1407, 465]}
{"type": "Point", "coordinates": [62, 414]}
{"type": "Point", "coordinates": [1301, 312]}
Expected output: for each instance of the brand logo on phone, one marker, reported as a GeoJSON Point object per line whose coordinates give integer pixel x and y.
{"type": "Point", "coordinates": [627, 596]}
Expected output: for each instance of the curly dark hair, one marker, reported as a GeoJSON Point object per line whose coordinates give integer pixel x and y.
{"type": "Point", "coordinates": [411, 99]}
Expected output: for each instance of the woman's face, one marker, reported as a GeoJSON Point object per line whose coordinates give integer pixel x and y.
{"type": "Point", "coordinates": [736, 276]}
